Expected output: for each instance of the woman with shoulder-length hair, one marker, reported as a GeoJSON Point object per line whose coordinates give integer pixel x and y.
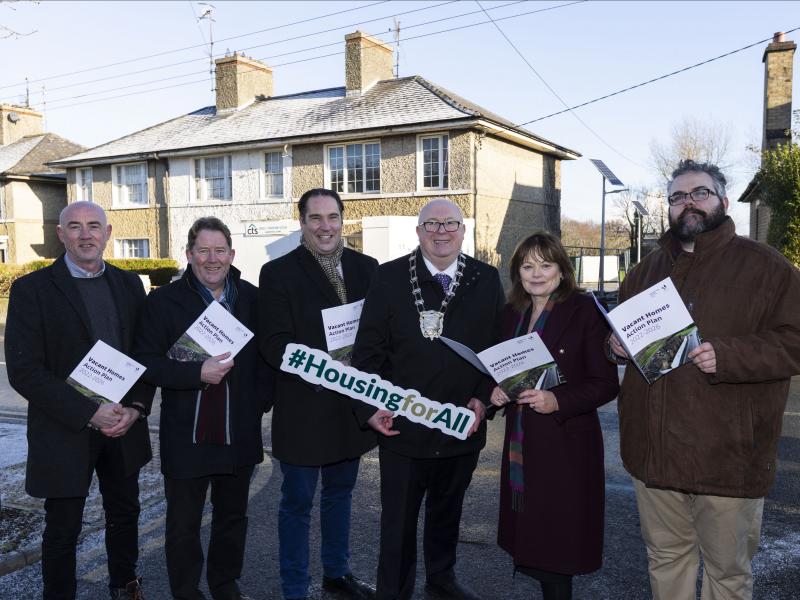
{"type": "Point", "coordinates": [552, 496]}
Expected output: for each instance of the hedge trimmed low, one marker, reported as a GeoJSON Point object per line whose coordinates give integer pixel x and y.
{"type": "Point", "coordinates": [160, 270]}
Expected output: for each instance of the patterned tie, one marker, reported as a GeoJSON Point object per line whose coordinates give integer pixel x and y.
{"type": "Point", "coordinates": [444, 280]}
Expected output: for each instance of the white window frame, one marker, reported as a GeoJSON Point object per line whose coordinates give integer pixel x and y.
{"type": "Point", "coordinates": [345, 177]}
{"type": "Point", "coordinates": [83, 184]}
{"type": "Point", "coordinates": [202, 194]}
{"type": "Point", "coordinates": [443, 163]}
{"type": "Point", "coordinates": [120, 194]}
{"type": "Point", "coordinates": [123, 247]}
{"type": "Point", "coordinates": [265, 177]}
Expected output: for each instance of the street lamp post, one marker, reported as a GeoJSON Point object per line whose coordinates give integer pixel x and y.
{"type": "Point", "coordinates": [641, 211]}
{"type": "Point", "coordinates": [607, 174]}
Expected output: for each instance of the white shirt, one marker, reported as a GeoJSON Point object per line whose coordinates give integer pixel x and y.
{"type": "Point", "coordinates": [450, 270]}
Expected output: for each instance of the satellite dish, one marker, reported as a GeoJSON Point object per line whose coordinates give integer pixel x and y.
{"type": "Point", "coordinates": [13, 116]}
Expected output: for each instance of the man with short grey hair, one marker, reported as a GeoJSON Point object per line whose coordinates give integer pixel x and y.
{"type": "Point", "coordinates": [55, 316]}
{"type": "Point", "coordinates": [413, 300]}
{"type": "Point", "coordinates": [701, 442]}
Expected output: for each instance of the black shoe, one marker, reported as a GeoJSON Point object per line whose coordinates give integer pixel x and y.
{"type": "Point", "coordinates": [451, 589]}
{"type": "Point", "coordinates": [349, 586]}
{"type": "Point", "coordinates": [131, 591]}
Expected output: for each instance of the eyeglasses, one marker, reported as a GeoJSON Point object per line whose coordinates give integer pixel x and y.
{"type": "Point", "coordinates": [698, 195]}
{"type": "Point", "coordinates": [436, 226]}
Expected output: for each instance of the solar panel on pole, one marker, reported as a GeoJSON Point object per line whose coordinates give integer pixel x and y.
{"type": "Point", "coordinates": [605, 171]}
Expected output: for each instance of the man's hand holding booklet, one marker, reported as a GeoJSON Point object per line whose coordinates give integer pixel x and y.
{"type": "Point", "coordinates": [655, 328]}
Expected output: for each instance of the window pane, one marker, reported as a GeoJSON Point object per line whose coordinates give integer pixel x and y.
{"type": "Point", "coordinates": [84, 182]}
{"type": "Point", "coordinates": [336, 167]}
{"type": "Point", "coordinates": [355, 168]}
{"type": "Point", "coordinates": [133, 181]}
{"type": "Point", "coordinates": [273, 174]}
{"type": "Point", "coordinates": [198, 179]}
{"type": "Point", "coordinates": [445, 161]}
{"type": "Point", "coordinates": [215, 178]}
{"type": "Point", "coordinates": [430, 162]}
{"type": "Point", "coordinates": [139, 248]}
{"type": "Point", "coordinates": [372, 171]}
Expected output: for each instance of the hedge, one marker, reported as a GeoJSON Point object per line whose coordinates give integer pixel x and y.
{"type": "Point", "coordinates": [160, 270]}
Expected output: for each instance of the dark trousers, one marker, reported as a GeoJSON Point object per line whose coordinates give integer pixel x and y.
{"type": "Point", "coordinates": [404, 483]}
{"type": "Point", "coordinates": [185, 501]}
{"type": "Point", "coordinates": [64, 518]}
{"type": "Point", "coordinates": [294, 517]}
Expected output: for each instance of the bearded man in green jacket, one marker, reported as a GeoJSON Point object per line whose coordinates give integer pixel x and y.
{"type": "Point", "coordinates": [701, 442]}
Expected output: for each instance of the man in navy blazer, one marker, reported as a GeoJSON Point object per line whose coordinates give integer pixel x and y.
{"type": "Point", "coordinates": [314, 430]}
{"type": "Point", "coordinates": [55, 316]}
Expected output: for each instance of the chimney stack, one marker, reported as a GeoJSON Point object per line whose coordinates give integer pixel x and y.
{"type": "Point", "coordinates": [367, 60]}
{"type": "Point", "coordinates": [778, 58]}
{"type": "Point", "coordinates": [16, 122]}
{"type": "Point", "coordinates": [240, 80]}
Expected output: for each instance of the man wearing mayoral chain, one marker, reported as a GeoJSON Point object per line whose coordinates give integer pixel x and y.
{"type": "Point", "coordinates": [436, 290]}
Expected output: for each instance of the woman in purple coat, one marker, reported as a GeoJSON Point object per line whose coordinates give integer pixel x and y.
{"type": "Point", "coordinates": [552, 495]}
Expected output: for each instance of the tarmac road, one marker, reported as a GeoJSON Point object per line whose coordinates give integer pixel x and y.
{"type": "Point", "coordinates": [481, 564]}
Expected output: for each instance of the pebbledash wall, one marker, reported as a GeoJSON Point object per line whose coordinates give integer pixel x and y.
{"type": "Point", "coordinates": [505, 188]}
{"type": "Point", "coordinates": [131, 222]}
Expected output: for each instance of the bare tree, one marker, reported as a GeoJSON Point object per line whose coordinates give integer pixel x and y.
{"type": "Point", "coordinates": [576, 235]}
{"type": "Point", "coordinates": [654, 223]}
{"type": "Point", "coordinates": [703, 140]}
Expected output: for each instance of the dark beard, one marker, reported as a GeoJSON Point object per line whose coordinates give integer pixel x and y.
{"type": "Point", "coordinates": [687, 231]}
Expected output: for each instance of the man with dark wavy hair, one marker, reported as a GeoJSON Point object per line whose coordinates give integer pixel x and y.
{"type": "Point", "coordinates": [701, 442]}
{"type": "Point", "coordinates": [315, 434]}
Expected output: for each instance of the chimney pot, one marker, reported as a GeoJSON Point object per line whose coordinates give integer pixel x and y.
{"type": "Point", "coordinates": [25, 122]}
{"type": "Point", "coordinates": [367, 61]}
{"type": "Point", "coordinates": [778, 59]}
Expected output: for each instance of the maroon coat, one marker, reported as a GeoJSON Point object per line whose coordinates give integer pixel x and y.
{"type": "Point", "coordinates": [560, 528]}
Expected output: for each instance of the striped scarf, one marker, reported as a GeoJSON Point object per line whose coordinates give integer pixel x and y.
{"type": "Point", "coordinates": [328, 262]}
{"type": "Point", "coordinates": [516, 473]}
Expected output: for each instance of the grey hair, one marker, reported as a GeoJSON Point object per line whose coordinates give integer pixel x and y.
{"type": "Point", "coordinates": [63, 216]}
{"type": "Point", "coordinates": [687, 165]}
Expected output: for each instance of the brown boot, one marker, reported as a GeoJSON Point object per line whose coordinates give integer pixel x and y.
{"type": "Point", "coordinates": [131, 591]}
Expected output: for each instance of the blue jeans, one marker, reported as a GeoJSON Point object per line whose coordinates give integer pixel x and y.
{"type": "Point", "coordinates": [294, 515]}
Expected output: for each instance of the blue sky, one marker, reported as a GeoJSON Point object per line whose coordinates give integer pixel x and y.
{"type": "Point", "coordinates": [582, 51]}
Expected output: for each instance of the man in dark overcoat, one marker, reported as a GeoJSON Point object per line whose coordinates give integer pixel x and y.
{"type": "Point", "coordinates": [211, 411]}
{"type": "Point", "coordinates": [314, 430]}
{"type": "Point", "coordinates": [55, 316]}
{"type": "Point", "coordinates": [436, 290]}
